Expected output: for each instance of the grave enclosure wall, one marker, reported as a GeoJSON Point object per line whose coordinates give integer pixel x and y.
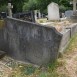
{"type": "Point", "coordinates": [35, 43]}
{"type": "Point", "coordinates": [26, 41]}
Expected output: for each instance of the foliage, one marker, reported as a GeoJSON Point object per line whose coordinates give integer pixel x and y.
{"type": "Point", "coordinates": [24, 5]}
{"type": "Point", "coordinates": [64, 5]}
{"type": "Point", "coordinates": [30, 5]}
{"type": "Point", "coordinates": [3, 8]}
{"type": "Point", "coordinates": [42, 5]}
{"type": "Point", "coordinates": [17, 4]}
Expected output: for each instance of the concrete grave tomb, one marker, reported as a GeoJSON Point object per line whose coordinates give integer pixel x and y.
{"type": "Point", "coordinates": [31, 42]}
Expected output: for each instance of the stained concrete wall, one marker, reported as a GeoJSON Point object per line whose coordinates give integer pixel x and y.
{"type": "Point", "coordinates": [65, 40]}
{"type": "Point", "coordinates": [67, 33]}
{"type": "Point", "coordinates": [35, 43]}
{"type": "Point", "coordinates": [73, 29]}
{"type": "Point", "coordinates": [38, 44]}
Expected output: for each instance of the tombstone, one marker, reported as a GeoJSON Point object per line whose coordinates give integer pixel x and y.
{"type": "Point", "coordinates": [68, 13]}
{"type": "Point", "coordinates": [53, 11]}
{"type": "Point", "coordinates": [35, 12]}
{"type": "Point", "coordinates": [32, 16]}
{"type": "Point", "coordinates": [27, 16]}
{"type": "Point", "coordinates": [63, 15]}
{"type": "Point", "coordinates": [74, 5]}
{"type": "Point", "coordinates": [10, 9]}
{"type": "Point", "coordinates": [73, 18]}
{"type": "Point", "coordinates": [39, 14]}
{"type": "Point", "coordinates": [3, 15]}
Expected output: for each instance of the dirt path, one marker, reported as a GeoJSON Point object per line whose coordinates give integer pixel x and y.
{"type": "Point", "coordinates": [71, 65]}
{"type": "Point", "coordinates": [69, 68]}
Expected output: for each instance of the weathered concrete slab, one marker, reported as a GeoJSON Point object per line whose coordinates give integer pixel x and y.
{"type": "Point", "coordinates": [35, 43]}
{"type": "Point", "coordinates": [73, 28]}
{"type": "Point", "coordinates": [65, 40]}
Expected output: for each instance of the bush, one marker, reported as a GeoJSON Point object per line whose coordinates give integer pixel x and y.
{"type": "Point", "coordinates": [3, 8]}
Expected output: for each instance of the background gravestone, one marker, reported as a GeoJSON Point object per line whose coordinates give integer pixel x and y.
{"type": "Point", "coordinates": [68, 13]}
{"type": "Point", "coordinates": [53, 11]}
{"type": "Point", "coordinates": [27, 16]}
{"type": "Point", "coordinates": [3, 15]}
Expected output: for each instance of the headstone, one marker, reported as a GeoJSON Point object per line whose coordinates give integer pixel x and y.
{"type": "Point", "coordinates": [73, 18]}
{"type": "Point", "coordinates": [32, 16]}
{"type": "Point", "coordinates": [74, 2]}
{"type": "Point", "coordinates": [74, 5]}
{"type": "Point", "coordinates": [35, 12]}
{"type": "Point", "coordinates": [3, 15]}
{"type": "Point", "coordinates": [10, 9]}
{"type": "Point", "coordinates": [35, 43]}
{"type": "Point", "coordinates": [68, 13]}
{"type": "Point", "coordinates": [39, 14]}
{"type": "Point", "coordinates": [53, 11]}
{"type": "Point", "coordinates": [27, 16]}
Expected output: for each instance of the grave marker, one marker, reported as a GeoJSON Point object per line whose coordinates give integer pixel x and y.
{"type": "Point", "coordinates": [10, 9]}
{"type": "Point", "coordinates": [74, 5]}
{"type": "Point", "coordinates": [74, 2]}
{"type": "Point", "coordinates": [69, 13]}
{"type": "Point", "coordinates": [53, 11]}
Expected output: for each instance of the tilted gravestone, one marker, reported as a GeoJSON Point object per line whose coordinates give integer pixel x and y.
{"type": "Point", "coordinates": [3, 15]}
{"type": "Point", "coordinates": [53, 11]}
{"type": "Point", "coordinates": [25, 41]}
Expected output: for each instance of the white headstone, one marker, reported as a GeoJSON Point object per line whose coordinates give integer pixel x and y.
{"type": "Point", "coordinates": [10, 9]}
{"type": "Point", "coordinates": [53, 11]}
{"type": "Point", "coordinates": [74, 2]}
{"type": "Point", "coordinates": [39, 14]}
{"type": "Point", "coordinates": [35, 12]}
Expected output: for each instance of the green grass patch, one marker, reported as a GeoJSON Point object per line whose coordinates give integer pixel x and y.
{"type": "Point", "coordinates": [72, 45]}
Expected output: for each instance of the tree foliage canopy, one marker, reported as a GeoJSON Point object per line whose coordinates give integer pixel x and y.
{"type": "Point", "coordinates": [42, 4]}
{"type": "Point", "coordinates": [24, 5]}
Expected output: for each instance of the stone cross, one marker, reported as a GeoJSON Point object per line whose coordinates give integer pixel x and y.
{"type": "Point", "coordinates": [35, 12]}
{"type": "Point", "coordinates": [10, 9]}
{"type": "Point", "coordinates": [74, 5]}
{"type": "Point", "coordinates": [39, 14]}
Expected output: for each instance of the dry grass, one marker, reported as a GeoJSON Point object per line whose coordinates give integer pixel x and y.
{"type": "Point", "coordinates": [1, 24]}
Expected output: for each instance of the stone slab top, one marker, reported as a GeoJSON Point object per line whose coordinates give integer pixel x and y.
{"type": "Point", "coordinates": [36, 24]}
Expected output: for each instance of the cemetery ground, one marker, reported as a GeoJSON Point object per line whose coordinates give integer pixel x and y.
{"type": "Point", "coordinates": [65, 66]}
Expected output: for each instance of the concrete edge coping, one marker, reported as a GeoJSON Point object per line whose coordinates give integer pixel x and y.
{"type": "Point", "coordinates": [47, 26]}
{"type": "Point", "coordinates": [63, 33]}
{"type": "Point", "coordinates": [72, 25]}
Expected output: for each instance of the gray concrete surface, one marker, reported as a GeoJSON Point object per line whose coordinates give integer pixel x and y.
{"type": "Point", "coordinates": [35, 43]}
{"type": "Point", "coordinates": [65, 40]}
{"type": "Point", "coordinates": [73, 28]}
